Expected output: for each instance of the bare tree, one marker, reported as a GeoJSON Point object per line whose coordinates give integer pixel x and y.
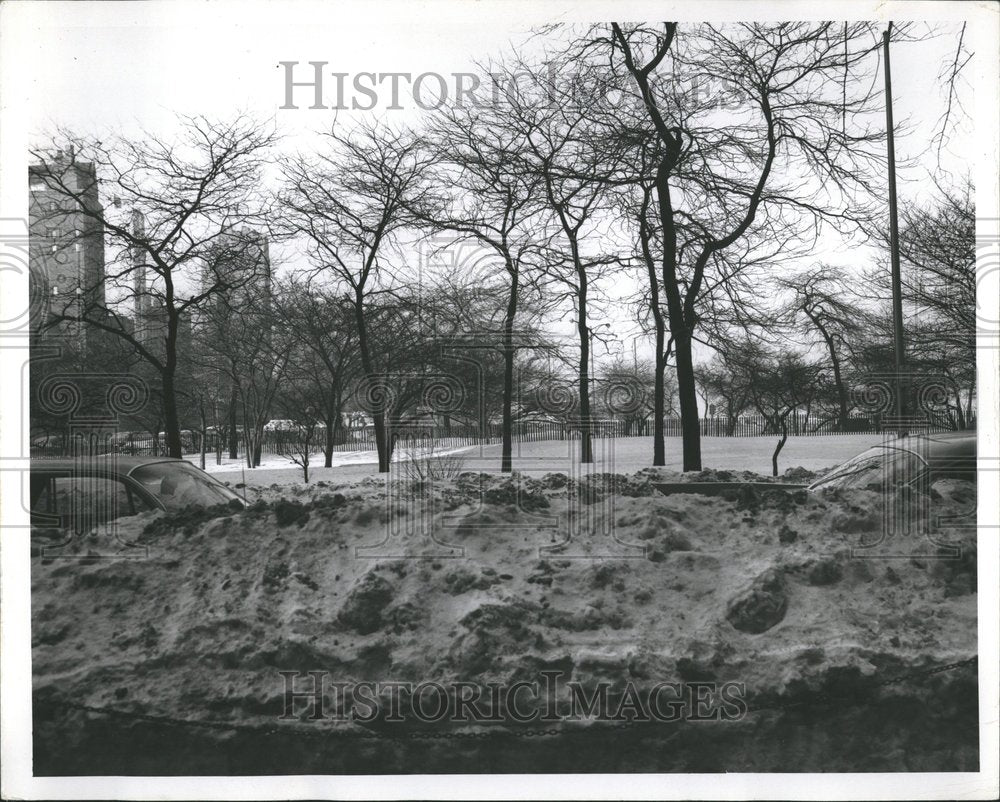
{"type": "Point", "coordinates": [322, 326]}
{"type": "Point", "coordinates": [630, 392]}
{"type": "Point", "coordinates": [564, 154]}
{"type": "Point", "coordinates": [207, 393]}
{"type": "Point", "coordinates": [723, 183]}
{"type": "Point", "coordinates": [780, 384]}
{"type": "Point", "coordinates": [482, 196]}
{"type": "Point", "coordinates": [349, 203]}
{"type": "Point", "coordinates": [254, 352]}
{"type": "Point", "coordinates": [938, 246]}
{"type": "Point", "coordinates": [821, 296]}
{"type": "Point", "coordinates": [724, 380]}
{"type": "Point", "coordinates": [636, 203]}
{"type": "Point", "coordinates": [303, 402]}
{"type": "Point", "coordinates": [938, 252]}
{"type": "Point", "coordinates": [168, 209]}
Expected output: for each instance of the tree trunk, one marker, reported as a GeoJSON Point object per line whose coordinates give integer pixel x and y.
{"type": "Point", "coordinates": [660, 365]}
{"type": "Point", "coordinates": [234, 441]}
{"type": "Point", "coordinates": [659, 387]}
{"type": "Point", "coordinates": [688, 398]}
{"type": "Point", "coordinates": [378, 415]}
{"type": "Point", "coordinates": [687, 394]}
{"type": "Point", "coordinates": [507, 419]}
{"type": "Point", "coordinates": [381, 444]}
{"type": "Point", "coordinates": [328, 445]}
{"type": "Point", "coordinates": [838, 381]}
{"type": "Point", "coordinates": [841, 397]}
{"type": "Point", "coordinates": [586, 445]}
{"type": "Point", "coordinates": [248, 443]}
{"type": "Point", "coordinates": [171, 418]}
{"type": "Point", "coordinates": [777, 450]}
{"type": "Point", "coordinates": [171, 421]}
{"type": "Point", "coordinates": [203, 434]}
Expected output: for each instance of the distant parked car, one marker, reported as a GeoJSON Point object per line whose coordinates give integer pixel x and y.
{"type": "Point", "coordinates": [280, 425]}
{"type": "Point", "coordinates": [94, 490]}
{"type": "Point", "coordinates": [120, 438]}
{"type": "Point", "coordinates": [917, 462]}
{"type": "Point", "coordinates": [189, 441]}
{"type": "Point", "coordinates": [47, 444]}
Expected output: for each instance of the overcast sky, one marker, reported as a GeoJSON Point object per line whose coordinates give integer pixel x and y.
{"type": "Point", "coordinates": [98, 67]}
{"type": "Point", "coordinates": [122, 65]}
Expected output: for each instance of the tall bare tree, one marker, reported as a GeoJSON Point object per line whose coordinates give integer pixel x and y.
{"type": "Point", "coordinates": [564, 154]}
{"type": "Point", "coordinates": [349, 202]}
{"type": "Point", "coordinates": [322, 326]}
{"type": "Point", "coordinates": [253, 350]}
{"type": "Point", "coordinates": [168, 208]}
{"type": "Point", "coordinates": [723, 180]}
{"type": "Point", "coordinates": [938, 251]}
{"type": "Point", "coordinates": [481, 195]}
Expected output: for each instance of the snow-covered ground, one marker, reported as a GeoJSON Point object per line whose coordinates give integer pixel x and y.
{"type": "Point", "coordinates": [620, 455]}
{"type": "Point", "coordinates": [273, 462]}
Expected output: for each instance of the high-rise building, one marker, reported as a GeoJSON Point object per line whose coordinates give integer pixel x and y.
{"type": "Point", "coordinates": [66, 240]}
{"type": "Point", "coordinates": [240, 262]}
{"type": "Point", "coordinates": [236, 272]}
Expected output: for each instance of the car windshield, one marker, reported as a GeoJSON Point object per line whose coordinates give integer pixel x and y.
{"type": "Point", "coordinates": [180, 485]}
{"type": "Point", "coordinates": [877, 466]}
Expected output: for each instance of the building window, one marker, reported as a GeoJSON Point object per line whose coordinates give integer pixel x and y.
{"type": "Point", "coordinates": [37, 186]}
{"type": "Point", "coordinates": [53, 232]}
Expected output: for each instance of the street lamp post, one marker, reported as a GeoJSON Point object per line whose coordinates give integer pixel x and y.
{"type": "Point", "coordinates": [897, 295]}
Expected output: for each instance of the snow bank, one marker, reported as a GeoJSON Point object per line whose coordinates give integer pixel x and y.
{"type": "Point", "coordinates": [488, 580]}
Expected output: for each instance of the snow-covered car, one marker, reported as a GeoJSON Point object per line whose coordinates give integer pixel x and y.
{"type": "Point", "coordinates": [93, 490]}
{"type": "Point", "coordinates": [47, 444]}
{"type": "Point", "coordinates": [120, 438]}
{"type": "Point", "coordinates": [189, 440]}
{"type": "Point", "coordinates": [280, 425]}
{"type": "Point", "coordinates": [917, 462]}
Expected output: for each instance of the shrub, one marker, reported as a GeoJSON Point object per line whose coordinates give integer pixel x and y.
{"type": "Point", "coordinates": [430, 465]}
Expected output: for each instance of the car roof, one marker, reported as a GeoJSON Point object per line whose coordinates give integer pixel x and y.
{"type": "Point", "coordinates": [937, 444]}
{"type": "Point", "coordinates": [119, 464]}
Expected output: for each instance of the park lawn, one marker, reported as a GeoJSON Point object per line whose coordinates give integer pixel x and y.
{"type": "Point", "coordinates": [618, 455]}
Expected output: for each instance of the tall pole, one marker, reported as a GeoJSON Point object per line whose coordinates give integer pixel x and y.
{"type": "Point", "coordinates": [590, 341]}
{"type": "Point", "coordinates": [897, 295]}
{"type": "Point", "coordinates": [138, 267]}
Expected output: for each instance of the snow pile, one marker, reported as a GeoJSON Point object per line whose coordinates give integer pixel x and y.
{"type": "Point", "coordinates": [486, 579]}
